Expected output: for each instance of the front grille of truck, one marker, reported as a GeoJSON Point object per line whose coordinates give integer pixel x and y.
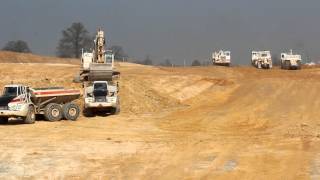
{"type": "Point", "coordinates": [101, 99]}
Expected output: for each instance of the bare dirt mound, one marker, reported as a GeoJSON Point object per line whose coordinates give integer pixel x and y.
{"type": "Point", "coordinates": [12, 57]}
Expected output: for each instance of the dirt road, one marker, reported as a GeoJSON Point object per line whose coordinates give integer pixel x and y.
{"type": "Point", "coordinates": [176, 123]}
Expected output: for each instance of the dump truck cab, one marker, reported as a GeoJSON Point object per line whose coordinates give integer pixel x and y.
{"type": "Point", "coordinates": [222, 58]}
{"type": "Point", "coordinates": [101, 96]}
{"type": "Point", "coordinates": [23, 102]}
{"type": "Point", "coordinates": [290, 61]}
{"type": "Point", "coordinates": [14, 102]}
{"type": "Point", "coordinates": [261, 59]}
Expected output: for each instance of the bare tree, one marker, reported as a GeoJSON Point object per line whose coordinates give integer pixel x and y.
{"type": "Point", "coordinates": [119, 53]}
{"type": "Point", "coordinates": [147, 61]}
{"type": "Point", "coordinates": [196, 63]}
{"type": "Point", "coordinates": [167, 63]}
{"type": "Point", "coordinates": [17, 46]}
{"type": "Point", "coordinates": [73, 40]}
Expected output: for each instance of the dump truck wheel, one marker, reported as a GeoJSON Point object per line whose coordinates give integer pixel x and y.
{"type": "Point", "coordinates": [53, 112]}
{"type": "Point", "coordinates": [71, 111]}
{"type": "Point", "coordinates": [299, 66]}
{"type": "Point", "coordinates": [267, 66]}
{"type": "Point", "coordinates": [287, 65]}
{"type": "Point", "coordinates": [116, 110]}
{"type": "Point", "coordinates": [31, 116]}
{"type": "Point", "coordinates": [118, 106]}
{"type": "Point", "coordinates": [4, 120]}
{"type": "Point", "coordinates": [88, 112]}
{"type": "Point", "coordinates": [259, 65]}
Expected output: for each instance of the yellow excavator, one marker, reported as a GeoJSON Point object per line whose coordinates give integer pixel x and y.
{"type": "Point", "coordinates": [98, 65]}
{"type": "Point", "coordinates": [98, 76]}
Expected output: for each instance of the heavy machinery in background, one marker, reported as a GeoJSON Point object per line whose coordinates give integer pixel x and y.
{"type": "Point", "coordinates": [290, 61]}
{"type": "Point", "coordinates": [98, 64]}
{"type": "Point", "coordinates": [261, 59]}
{"type": "Point", "coordinates": [98, 76]}
{"type": "Point", "coordinates": [23, 102]}
{"type": "Point", "coordinates": [222, 58]}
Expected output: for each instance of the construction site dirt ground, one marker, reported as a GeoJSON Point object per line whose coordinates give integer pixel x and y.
{"type": "Point", "coordinates": [175, 123]}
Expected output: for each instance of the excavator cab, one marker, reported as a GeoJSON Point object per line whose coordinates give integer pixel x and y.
{"type": "Point", "coordinates": [109, 58]}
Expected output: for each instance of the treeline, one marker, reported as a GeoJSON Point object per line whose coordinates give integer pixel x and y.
{"type": "Point", "coordinates": [73, 40]}
{"type": "Point", "coordinates": [169, 63]}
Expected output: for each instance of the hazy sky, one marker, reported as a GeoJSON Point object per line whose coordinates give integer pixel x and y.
{"type": "Point", "coordinates": [175, 29]}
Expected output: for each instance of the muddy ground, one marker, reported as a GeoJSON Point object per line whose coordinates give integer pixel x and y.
{"type": "Point", "coordinates": [175, 123]}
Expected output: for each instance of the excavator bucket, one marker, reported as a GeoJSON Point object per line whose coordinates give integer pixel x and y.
{"type": "Point", "coordinates": [97, 65]}
{"type": "Point", "coordinates": [100, 72]}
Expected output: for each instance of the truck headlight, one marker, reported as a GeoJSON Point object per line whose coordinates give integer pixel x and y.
{"type": "Point", "coordinates": [89, 100]}
{"type": "Point", "coordinates": [14, 107]}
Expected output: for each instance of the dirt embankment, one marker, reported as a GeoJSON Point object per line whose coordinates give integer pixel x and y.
{"type": "Point", "coordinates": [176, 123]}
{"type": "Point", "coordinates": [12, 57]}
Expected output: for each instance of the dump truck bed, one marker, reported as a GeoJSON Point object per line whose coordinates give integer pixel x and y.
{"type": "Point", "coordinates": [57, 95]}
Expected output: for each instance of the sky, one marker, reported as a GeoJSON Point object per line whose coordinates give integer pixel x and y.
{"type": "Point", "coordinates": [179, 30]}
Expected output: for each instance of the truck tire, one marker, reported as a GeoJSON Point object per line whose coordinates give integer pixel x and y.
{"type": "Point", "coordinates": [284, 65]}
{"type": "Point", "coordinates": [259, 65]}
{"type": "Point", "coordinates": [116, 110]}
{"type": "Point", "coordinates": [71, 111]}
{"type": "Point", "coordinates": [4, 120]}
{"type": "Point", "coordinates": [299, 66]}
{"type": "Point", "coordinates": [267, 66]}
{"type": "Point", "coordinates": [88, 112]}
{"type": "Point", "coordinates": [287, 65]}
{"type": "Point", "coordinates": [31, 116]}
{"type": "Point", "coordinates": [53, 112]}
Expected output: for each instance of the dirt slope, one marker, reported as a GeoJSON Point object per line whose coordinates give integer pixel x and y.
{"type": "Point", "coordinates": [176, 123]}
{"type": "Point", "coordinates": [12, 57]}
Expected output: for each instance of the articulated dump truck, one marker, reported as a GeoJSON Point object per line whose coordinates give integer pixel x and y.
{"type": "Point", "coordinates": [261, 59]}
{"type": "Point", "coordinates": [290, 61]}
{"type": "Point", "coordinates": [23, 102]}
{"type": "Point", "coordinates": [221, 58]}
{"type": "Point", "coordinates": [98, 76]}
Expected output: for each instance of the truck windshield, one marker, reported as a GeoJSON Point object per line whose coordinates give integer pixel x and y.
{"type": "Point", "coordinates": [10, 91]}
{"type": "Point", "coordinates": [100, 86]}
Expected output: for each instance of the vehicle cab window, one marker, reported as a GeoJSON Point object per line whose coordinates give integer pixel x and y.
{"type": "Point", "coordinates": [10, 91]}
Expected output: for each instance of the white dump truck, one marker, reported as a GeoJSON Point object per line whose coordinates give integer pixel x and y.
{"type": "Point", "coordinates": [55, 103]}
{"type": "Point", "coordinates": [222, 58]}
{"type": "Point", "coordinates": [98, 75]}
{"type": "Point", "coordinates": [101, 96]}
{"type": "Point", "coordinates": [290, 61]}
{"type": "Point", "coordinates": [261, 59]}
